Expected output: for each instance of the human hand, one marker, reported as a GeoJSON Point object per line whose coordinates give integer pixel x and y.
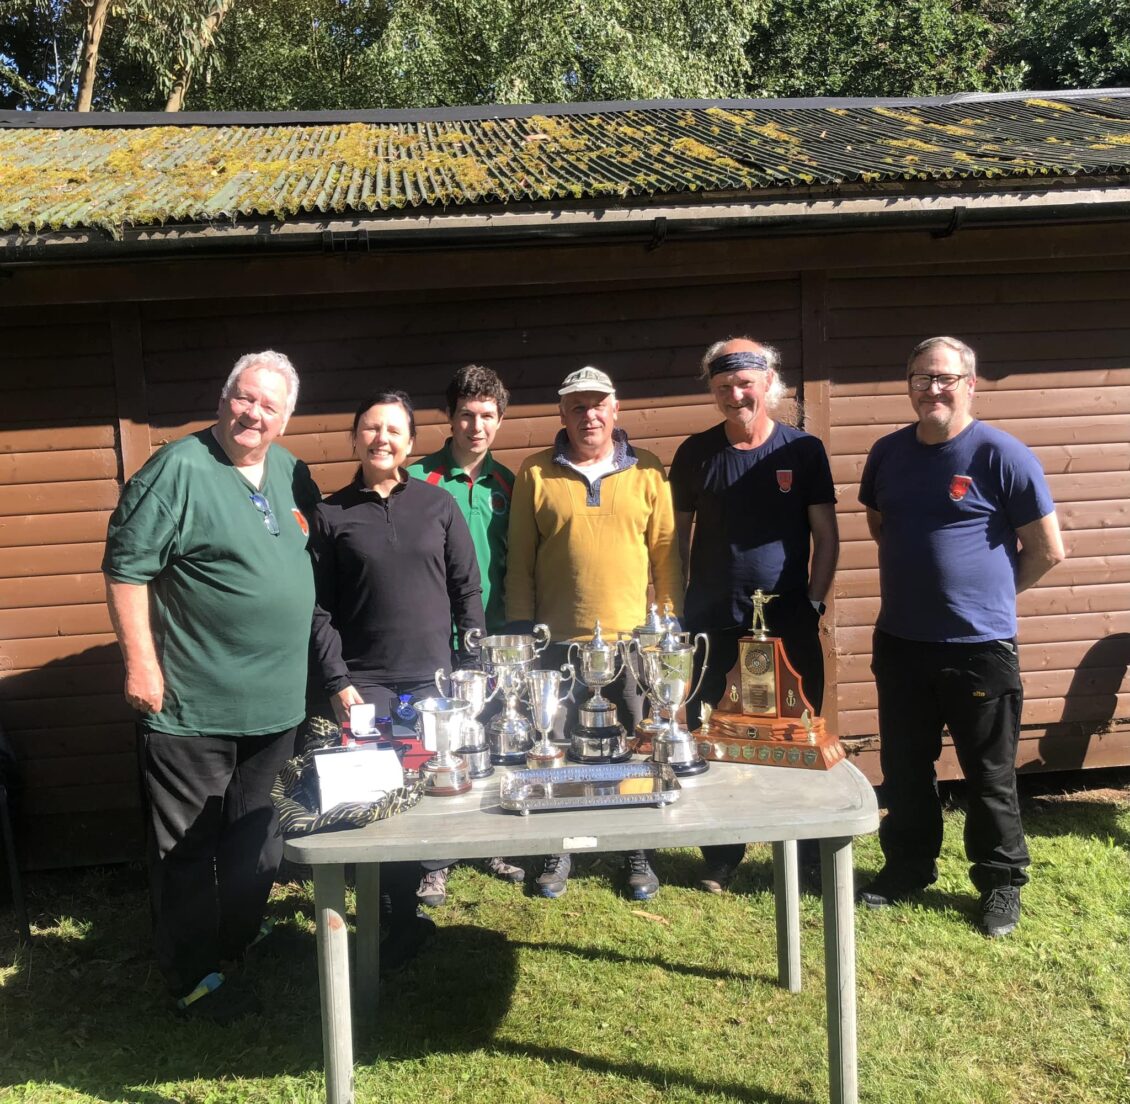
{"type": "Point", "coordinates": [342, 700]}
{"type": "Point", "coordinates": [145, 687]}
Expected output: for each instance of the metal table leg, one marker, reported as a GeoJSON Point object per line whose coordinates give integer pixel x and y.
{"type": "Point", "coordinates": [839, 966]}
{"type": "Point", "coordinates": [786, 894]}
{"type": "Point", "coordinates": [368, 940]}
{"type": "Point", "coordinates": [333, 982]}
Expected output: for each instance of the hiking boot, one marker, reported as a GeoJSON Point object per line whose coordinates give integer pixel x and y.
{"type": "Point", "coordinates": [217, 1001]}
{"type": "Point", "coordinates": [888, 889]}
{"type": "Point", "coordinates": [508, 872]}
{"type": "Point", "coordinates": [553, 880]}
{"type": "Point", "coordinates": [433, 888]}
{"type": "Point", "coordinates": [1000, 911]}
{"type": "Point", "coordinates": [717, 878]}
{"type": "Point", "coordinates": [406, 938]}
{"type": "Point", "coordinates": [641, 878]}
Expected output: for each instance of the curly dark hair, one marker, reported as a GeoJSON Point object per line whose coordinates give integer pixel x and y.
{"type": "Point", "coordinates": [476, 382]}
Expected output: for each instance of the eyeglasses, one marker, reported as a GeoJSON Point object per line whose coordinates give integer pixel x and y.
{"type": "Point", "coordinates": [922, 381]}
{"type": "Point", "coordinates": [264, 507]}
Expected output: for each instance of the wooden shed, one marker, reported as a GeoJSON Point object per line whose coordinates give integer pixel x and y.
{"type": "Point", "coordinates": [139, 259]}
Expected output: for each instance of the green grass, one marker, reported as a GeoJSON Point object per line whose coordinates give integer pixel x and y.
{"type": "Point", "coordinates": [595, 998]}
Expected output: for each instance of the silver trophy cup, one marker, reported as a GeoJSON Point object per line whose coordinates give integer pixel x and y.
{"type": "Point", "coordinates": [472, 687]}
{"type": "Point", "coordinates": [546, 699]}
{"type": "Point", "coordinates": [598, 736]}
{"type": "Point", "coordinates": [669, 667]}
{"type": "Point", "coordinates": [507, 658]}
{"type": "Point", "coordinates": [651, 632]}
{"type": "Point", "coordinates": [442, 720]}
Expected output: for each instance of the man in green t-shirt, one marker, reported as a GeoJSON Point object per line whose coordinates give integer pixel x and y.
{"type": "Point", "coordinates": [465, 468]}
{"type": "Point", "coordinates": [211, 592]}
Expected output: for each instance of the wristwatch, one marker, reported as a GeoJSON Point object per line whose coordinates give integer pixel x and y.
{"type": "Point", "coordinates": [819, 607]}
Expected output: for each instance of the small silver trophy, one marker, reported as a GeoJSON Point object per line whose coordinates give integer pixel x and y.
{"type": "Point", "coordinates": [472, 687]}
{"type": "Point", "coordinates": [546, 699]}
{"type": "Point", "coordinates": [669, 666]}
{"type": "Point", "coordinates": [441, 721]}
{"type": "Point", "coordinates": [507, 659]}
{"type": "Point", "coordinates": [598, 737]}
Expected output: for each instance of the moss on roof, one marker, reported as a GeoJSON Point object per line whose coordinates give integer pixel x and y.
{"type": "Point", "coordinates": [112, 177]}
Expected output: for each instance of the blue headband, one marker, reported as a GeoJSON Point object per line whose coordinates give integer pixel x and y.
{"type": "Point", "coordinates": [738, 362]}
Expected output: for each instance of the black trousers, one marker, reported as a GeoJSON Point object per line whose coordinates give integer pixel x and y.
{"type": "Point", "coordinates": [974, 691]}
{"type": "Point", "coordinates": [792, 618]}
{"type": "Point", "coordinates": [214, 845]}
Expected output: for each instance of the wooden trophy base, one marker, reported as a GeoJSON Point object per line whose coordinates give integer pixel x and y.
{"type": "Point", "coordinates": [769, 742]}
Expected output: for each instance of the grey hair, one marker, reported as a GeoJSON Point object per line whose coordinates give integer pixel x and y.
{"type": "Point", "coordinates": [272, 362]}
{"type": "Point", "coordinates": [776, 390]}
{"type": "Point", "coordinates": [965, 353]}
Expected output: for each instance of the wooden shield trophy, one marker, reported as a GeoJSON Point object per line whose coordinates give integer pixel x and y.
{"type": "Point", "coordinates": [764, 716]}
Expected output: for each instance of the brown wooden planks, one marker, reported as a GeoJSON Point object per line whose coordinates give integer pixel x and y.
{"type": "Point", "coordinates": [52, 590]}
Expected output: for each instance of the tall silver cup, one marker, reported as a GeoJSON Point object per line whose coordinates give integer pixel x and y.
{"type": "Point", "coordinates": [546, 699]}
{"type": "Point", "coordinates": [507, 658]}
{"type": "Point", "coordinates": [669, 666]}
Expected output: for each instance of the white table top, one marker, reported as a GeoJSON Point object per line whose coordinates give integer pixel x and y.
{"type": "Point", "coordinates": [730, 803]}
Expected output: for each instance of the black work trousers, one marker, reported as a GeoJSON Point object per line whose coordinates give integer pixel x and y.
{"type": "Point", "coordinates": [974, 691]}
{"type": "Point", "coordinates": [792, 618]}
{"type": "Point", "coordinates": [214, 845]}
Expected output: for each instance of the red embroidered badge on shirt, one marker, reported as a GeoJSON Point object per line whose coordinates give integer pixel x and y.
{"type": "Point", "coordinates": [959, 486]}
{"type": "Point", "coordinates": [785, 479]}
{"type": "Point", "coordinates": [303, 524]}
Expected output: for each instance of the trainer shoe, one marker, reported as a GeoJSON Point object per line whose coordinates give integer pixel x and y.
{"type": "Point", "coordinates": [888, 889]}
{"type": "Point", "coordinates": [1000, 911]}
{"type": "Point", "coordinates": [553, 880]}
{"type": "Point", "coordinates": [717, 878]}
{"type": "Point", "coordinates": [433, 888]}
{"type": "Point", "coordinates": [508, 872]}
{"type": "Point", "coordinates": [641, 878]}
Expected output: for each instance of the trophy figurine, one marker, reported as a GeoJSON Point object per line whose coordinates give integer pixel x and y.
{"type": "Point", "coordinates": [598, 737]}
{"type": "Point", "coordinates": [544, 689]}
{"type": "Point", "coordinates": [507, 659]}
{"type": "Point", "coordinates": [472, 687]}
{"type": "Point", "coordinates": [442, 720]}
{"type": "Point", "coordinates": [670, 670]}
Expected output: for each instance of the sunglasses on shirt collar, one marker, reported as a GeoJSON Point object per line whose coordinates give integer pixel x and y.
{"type": "Point", "coordinates": [259, 501]}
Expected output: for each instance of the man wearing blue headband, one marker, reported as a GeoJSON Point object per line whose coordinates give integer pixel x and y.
{"type": "Point", "coordinates": [755, 509]}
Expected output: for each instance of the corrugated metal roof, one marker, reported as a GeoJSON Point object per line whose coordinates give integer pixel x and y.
{"type": "Point", "coordinates": [110, 177]}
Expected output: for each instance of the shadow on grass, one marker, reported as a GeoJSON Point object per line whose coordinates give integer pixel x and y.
{"type": "Point", "coordinates": [454, 998]}
{"type": "Point", "coordinates": [662, 1079]}
{"type": "Point", "coordinates": [603, 954]}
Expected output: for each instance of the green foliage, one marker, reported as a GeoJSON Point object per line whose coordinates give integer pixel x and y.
{"type": "Point", "coordinates": [1073, 43]}
{"type": "Point", "coordinates": [880, 48]}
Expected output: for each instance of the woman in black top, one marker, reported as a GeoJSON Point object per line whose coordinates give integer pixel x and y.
{"type": "Point", "coordinates": [394, 570]}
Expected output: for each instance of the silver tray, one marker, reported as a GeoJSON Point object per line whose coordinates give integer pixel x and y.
{"type": "Point", "coordinates": [596, 785]}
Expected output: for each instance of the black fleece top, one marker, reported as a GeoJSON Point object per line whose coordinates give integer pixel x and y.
{"type": "Point", "coordinates": [392, 576]}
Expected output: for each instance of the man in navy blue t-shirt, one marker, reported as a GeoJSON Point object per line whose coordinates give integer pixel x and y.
{"type": "Point", "coordinates": [964, 522]}
{"type": "Point", "coordinates": [758, 498]}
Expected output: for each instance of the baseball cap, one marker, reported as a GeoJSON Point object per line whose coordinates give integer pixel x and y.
{"type": "Point", "coordinates": [587, 379]}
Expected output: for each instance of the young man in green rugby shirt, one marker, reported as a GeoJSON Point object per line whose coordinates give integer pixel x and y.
{"type": "Point", "coordinates": [464, 467]}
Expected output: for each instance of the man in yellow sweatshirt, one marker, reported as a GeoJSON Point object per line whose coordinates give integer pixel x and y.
{"type": "Point", "coordinates": [590, 519]}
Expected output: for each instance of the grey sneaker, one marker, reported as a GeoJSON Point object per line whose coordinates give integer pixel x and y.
{"type": "Point", "coordinates": [508, 872]}
{"type": "Point", "coordinates": [553, 880]}
{"type": "Point", "coordinates": [433, 888]}
{"type": "Point", "coordinates": [1000, 911]}
{"type": "Point", "coordinates": [641, 878]}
